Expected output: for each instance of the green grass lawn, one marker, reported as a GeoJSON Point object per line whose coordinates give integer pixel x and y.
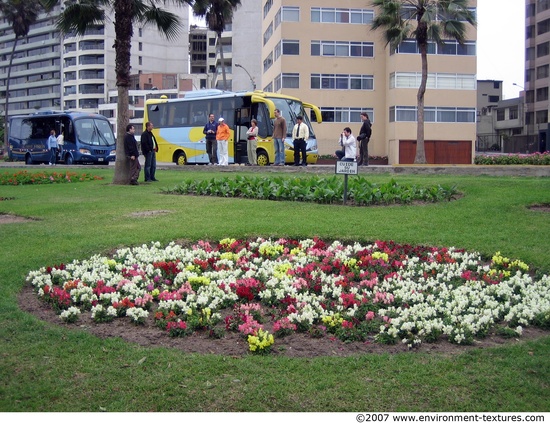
{"type": "Point", "coordinates": [46, 367]}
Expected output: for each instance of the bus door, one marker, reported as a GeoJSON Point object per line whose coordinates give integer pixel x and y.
{"type": "Point", "coordinates": [242, 123]}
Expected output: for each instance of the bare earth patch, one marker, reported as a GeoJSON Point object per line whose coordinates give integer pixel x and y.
{"type": "Point", "coordinates": [544, 207]}
{"type": "Point", "coordinates": [233, 344]}
{"type": "Point", "coordinates": [148, 213]}
{"type": "Point", "coordinates": [11, 218]}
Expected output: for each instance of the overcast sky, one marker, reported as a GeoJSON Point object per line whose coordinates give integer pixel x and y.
{"type": "Point", "coordinates": [501, 43]}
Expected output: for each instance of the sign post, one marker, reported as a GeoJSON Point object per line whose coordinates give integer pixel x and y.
{"type": "Point", "coordinates": [345, 168]}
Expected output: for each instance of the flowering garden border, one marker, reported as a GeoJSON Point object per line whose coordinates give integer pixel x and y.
{"type": "Point", "coordinates": [383, 291]}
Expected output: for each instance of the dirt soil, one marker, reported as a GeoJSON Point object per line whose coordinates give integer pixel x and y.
{"type": "Point", "coordinates": [233, 344]}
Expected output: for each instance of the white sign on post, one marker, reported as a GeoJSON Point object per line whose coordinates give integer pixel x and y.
{"type": "Point", "coordinates": [346, 168]}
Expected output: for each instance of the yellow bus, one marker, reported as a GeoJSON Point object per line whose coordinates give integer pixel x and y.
{"type": "Point", "coordinates": [178, 124]}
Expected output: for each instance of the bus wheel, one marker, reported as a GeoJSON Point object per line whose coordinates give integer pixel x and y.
{"type": "Point", "coordinates": [69, 159]}
{"type": "Point", "coordinates": [263, 159]}
{"type": "Point", "coordinates": [28, 159]}
{"type": "Point", "coordinates": [181, 160]}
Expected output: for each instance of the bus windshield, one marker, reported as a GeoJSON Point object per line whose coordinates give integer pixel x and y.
{"type": "Point", "coordinates": [94, 132]}
{"type": "Point", "coordinates": [289, 110]}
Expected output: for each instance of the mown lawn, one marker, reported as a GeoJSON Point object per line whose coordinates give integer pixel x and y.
{"type": "Point", "coordinates": [47, 367]}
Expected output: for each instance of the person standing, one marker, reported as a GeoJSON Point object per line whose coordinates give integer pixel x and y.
{"type": "Point", "coordinates": [279, 135]}
{"type": "Point", "coordinates": [52, 146]}
{"type": "Point", "coordinates": [209, 132]}
{"type": "Point", "coordinates": [222, 138]}
{"type": "Point", "coordinates": [300, 135]}
{"type": "Point", "coordinates": [60, 143]}
{"type": "Point", "coordinates": [347, 140]}
{"type": "Point", "coordinates": [252, 143]}
{"type": "Point", "coordinates": [149, 148]}
{"type": "Point", "coordinates": [364, 138]}
{"type": "Point", "coordinates": [132, 153]}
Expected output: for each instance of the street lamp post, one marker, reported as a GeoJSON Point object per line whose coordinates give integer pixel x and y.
{"type": "Point", "coordinates": [250, 76]}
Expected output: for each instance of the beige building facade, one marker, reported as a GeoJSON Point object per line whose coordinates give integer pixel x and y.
{"type": "Point", "coordinates": [329, 56]}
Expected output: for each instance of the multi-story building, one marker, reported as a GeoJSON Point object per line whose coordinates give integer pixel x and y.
{"type": "Point", "coordinates": [328, 56]}
{"type": "Point", "coordinates": [77, 72]}
{"type": "Point", "coordinates": [489, 93]}
{"type": "Point", "coordinates": [202, 54]}
{"type": "Point", "coordinates": [35, 80]}
{"type": "Point", "coordinates": [537, 69]}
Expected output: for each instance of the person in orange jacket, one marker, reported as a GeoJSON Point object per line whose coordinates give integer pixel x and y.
{"type": "Point", "coordinates": [222, 138]}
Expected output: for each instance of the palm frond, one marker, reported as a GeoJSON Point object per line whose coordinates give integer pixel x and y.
{"type": "Point", "coordinates": [166, 22]}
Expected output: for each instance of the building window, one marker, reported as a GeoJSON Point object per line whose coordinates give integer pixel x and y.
{"type": "Point", "coordinates": [500, 115]}
{"type": "Point", "coordinates": [342, 82]}
{"type": "Point", "coordinates": [268, 33]}
{"type": "Point", "coordinates": [277, 83]}
{"type": "Point", "coordinates": [448, 48]}
{"type": "Point", "coordinates": [543, 27]}
{"type": "Point", "coordinates": [543, 71]}
{"type": "Point", "coordinates": [494, 98]}
{"type": "Point", "coordinates": [543, 49]}
{"type": "Point", "coordinates": [542, 116]}
{"type": "Point", "coordinates": [290, 14]}
{"type": "Point", "coordinates": [433, 114]}
{"type": "Point", "coordinates": [342, 49]}
{"type": "Point", "coordinates": [277, 50]}
{"type": "Point", "coordinates": [140, 46]}
{"type": "Point", "coordinates": [267, 7]}
{"type": "Point", "coordinates": [513, 113]}
{"type": "Point", "coordinates": [542, 5]}
{"type": "Point", "coordinates": [345, 114]}
{"type": "Point", "coordinates": [291, 47]}
{"type": "Point", "coordinates": [268, 61]}
{"type": "Point", "coordinates": [291, 80]}
{"type": "Point", "coordinates": [140, 60]}
{"type": "Point", "coordinates": [269, 88]}
{"type": "Point", "coordinates": [542, 94]}
{"type": "Point", "coordinates": [333, 15]}
{"type": "Point", "coordinates": [447, 81]}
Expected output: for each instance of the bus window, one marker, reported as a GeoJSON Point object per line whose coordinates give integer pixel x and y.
{"type": "Point", "coordinates": [264, 123]}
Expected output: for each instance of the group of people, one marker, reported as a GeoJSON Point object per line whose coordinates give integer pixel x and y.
{"type": "Point", "coordinates": [149, 148]}
{"type": "Point", "coordinates": [217, 138]}
{"type": "Point", "coordinates": [55, 145]}
{"type": "Point", "coordinates": [347, 142]}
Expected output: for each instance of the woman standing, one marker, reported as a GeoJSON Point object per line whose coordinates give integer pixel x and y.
{"type": "Point", "coordinates": [52, 146]}
{"type": "Point", "coordinates": [222, 138]}
{"type": "Point", "coordinates": [252, 143]}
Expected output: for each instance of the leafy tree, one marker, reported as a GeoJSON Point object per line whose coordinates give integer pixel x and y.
{"type": "Point", "coordinates": [423, 20]}
{"type": "Point", "coordinates": [217, 13]}
{"type": "Point", "coordinates": [81, 15]}
{"type": "Point", "coordinates": [20, 14]}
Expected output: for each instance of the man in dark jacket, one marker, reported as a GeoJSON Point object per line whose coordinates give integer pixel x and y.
{"type": "Point", "coordinates": [132, 153]}
{"type": "Point", "coordinates": [209, 132]}
{"type": "Point", "coordinates": [364, 138]}
{"type": "Point", "coordinates": [149, 148]}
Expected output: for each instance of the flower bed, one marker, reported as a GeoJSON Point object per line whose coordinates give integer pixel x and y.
{"type": "Point", "coordinates": [513, 159]}
{"type": "Point", "coordinates": [39, 178]}
{"type": "Point", "coordinates": [267, 289]}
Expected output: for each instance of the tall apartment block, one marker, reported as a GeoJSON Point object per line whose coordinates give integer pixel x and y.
{"type": "Point", "coordinates": [537, 69]}
{"type": "Point", "coordinates": [76, 73]}
{"type": "Point", "coordinates": [36, 70]}
{"type": "Point", "coordinates": [330, 57]}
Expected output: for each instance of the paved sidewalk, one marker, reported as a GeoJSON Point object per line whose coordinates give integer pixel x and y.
{"type": "Point", "coordinates": [479, 170]}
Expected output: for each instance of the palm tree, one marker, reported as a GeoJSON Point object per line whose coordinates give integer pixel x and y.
{"type": "Point", "coordinates": [436, 20]}
{"type": "Point", "coordinates": [79, 16]}
{"type": "Point", "coordinates": [20, 14]}
{"type": "Point", "coordinates": [217, 13]}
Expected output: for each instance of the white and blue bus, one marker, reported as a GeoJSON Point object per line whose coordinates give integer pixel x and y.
{"type": "Point", "coordinates": [88, 138]}
{"type": "Point", "coordinates": [178, 124]}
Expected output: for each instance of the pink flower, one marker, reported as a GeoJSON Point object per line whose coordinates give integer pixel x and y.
{"type": "Point", "coordinates": [369, 315]}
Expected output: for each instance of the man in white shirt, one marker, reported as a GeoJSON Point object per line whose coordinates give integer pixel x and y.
{"type": "Point", "coordinates": [348, 142]}
{"type": "Point", "coordinates": [300, 135]}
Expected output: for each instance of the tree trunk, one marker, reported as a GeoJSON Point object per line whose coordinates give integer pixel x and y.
{"type": "Point", "coordinates": [123, 43]}
{"type": "Point", "coordinates": [222, 61]}
{"type": "Point", "coordinates": [420, 157]}
{"type": "Point", "coordinates": [6, 122]}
